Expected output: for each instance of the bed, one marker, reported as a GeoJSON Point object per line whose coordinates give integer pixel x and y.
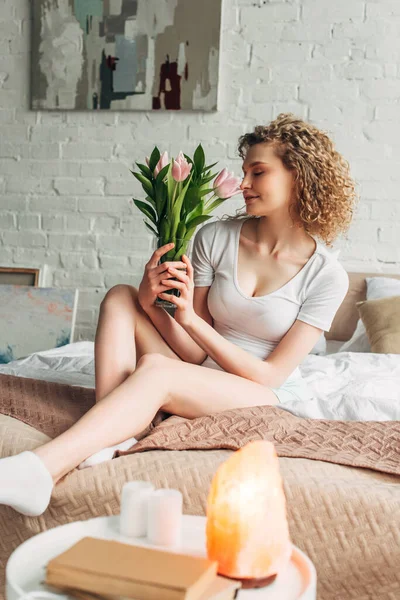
{"type": "Point", "coordinates": [345, 518]}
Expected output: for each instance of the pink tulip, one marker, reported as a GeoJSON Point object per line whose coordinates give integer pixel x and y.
{"type": "Point", "coordinates": [226, 185]}
{"type": "Point", "coordinates": [147, 161]}
{"type": "Point", "coordinates": [181, 168]}
{"type": "Point", "coordinates": [164, 160]}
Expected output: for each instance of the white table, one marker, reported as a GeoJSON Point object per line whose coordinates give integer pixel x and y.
{"type": "Point", "coordinates": [26, 566]}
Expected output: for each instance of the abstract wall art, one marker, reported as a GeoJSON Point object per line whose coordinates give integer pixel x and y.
{"type": "Point", "coordinates": [34, 319]}
{"type": "Point", "coordinates": [125, 54]}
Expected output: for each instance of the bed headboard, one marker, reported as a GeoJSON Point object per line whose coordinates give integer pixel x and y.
{"type": "Point", "coordinates": [346, 318]}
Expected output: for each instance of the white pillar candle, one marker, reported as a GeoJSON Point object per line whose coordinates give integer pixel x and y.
{"type": "Point", "coordinates": [164, 525]}
{"type": "Point", "coordinates": [134, 499]}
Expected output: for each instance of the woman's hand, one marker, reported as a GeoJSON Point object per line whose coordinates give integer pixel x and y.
{"type": "Point", "coordinates": [154, 273]}
{"type": "Point", "coordinates": [184, 313]}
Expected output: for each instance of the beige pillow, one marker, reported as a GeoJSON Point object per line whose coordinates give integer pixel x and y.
{"type": "Point", "coordinates": [382, 323]}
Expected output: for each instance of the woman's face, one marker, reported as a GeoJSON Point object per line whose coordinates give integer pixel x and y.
{"type": "Point", "coordinates": [267, 186]}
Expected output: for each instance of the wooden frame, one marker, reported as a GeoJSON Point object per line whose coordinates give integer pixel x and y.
{"type": "Point", "coordinates": [19, 276]}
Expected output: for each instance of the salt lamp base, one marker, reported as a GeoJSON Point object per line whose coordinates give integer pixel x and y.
{"type": "Point", "coordinates": [253, 583]}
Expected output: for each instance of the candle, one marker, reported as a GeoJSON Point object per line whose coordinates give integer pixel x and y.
{"type": "Point", "coordinates": [247, 530]}
{"type": "Point", "coordinates": [164, 525]}
{"type": "Point", "coordinates": [134, 499]}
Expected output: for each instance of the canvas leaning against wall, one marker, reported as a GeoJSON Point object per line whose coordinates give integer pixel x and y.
{"type": "Point", "coordinates": [125, 54]}
{"type": "Point", "coordinates": [34, 319]}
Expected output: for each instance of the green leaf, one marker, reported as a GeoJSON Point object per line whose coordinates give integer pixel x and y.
{"type": "Point", "coordinates": [161, 190]}
{"type": "Point", "coordinates": [214, 205]}
{"type": "Point", "coordinates": [146, 210]}
{"type": "Point", "coordinates": [164, 229]}
{"type": "Point", "coordinates": [171, 183]}
{"type": "Point", "coordinates": [150, 227]}
{"type": "Point", "coordinates": [207, 179]}
{"type": "Point", "coordinates": [162, 201]}
{"type": "Point", "coordinates": [146, 184]}
{"type": "Point", "coordinates": [194, 223]}
{"type": "Point", "coordinates": [160, 184]}
{"type": "Point", "coordinates": [162, 173]}
{"type": "Point", "coordinates": [196, 212]}
{"type": "Point", "coordinates": [154, 158]}
{"type": "Point", "coordinates": [151, 201]}
{"type": "Point", "coordinates": [210, 166]}
{"type": "Point", "coordinates": [206, 191]}
{"type": "Point", "coordinates": [178, 205]}
{"type": "Point", "coordinates": [199, 158]}
{"type": "Point", "coordinates": [181, 231]}
{"type": "Point", "coordinates": [192, 198]}
{"type": "Point", "coordinates": [145, 170]}
{"type": "Point", "coordinates": [179, 201]}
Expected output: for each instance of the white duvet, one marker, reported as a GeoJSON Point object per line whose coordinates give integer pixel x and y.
{"type": "Point", "coordinates": [352, 386]}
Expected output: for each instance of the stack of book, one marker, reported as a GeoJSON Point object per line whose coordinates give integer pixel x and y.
{"type": "Point", "coordinates": [98, 569]}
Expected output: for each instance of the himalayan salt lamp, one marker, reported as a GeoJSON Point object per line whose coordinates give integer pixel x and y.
{"type": "Point", "coordinates": [247, 530]}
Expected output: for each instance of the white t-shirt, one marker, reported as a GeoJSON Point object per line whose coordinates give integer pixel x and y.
{"type": "Point", "coordinates": [258, 324]}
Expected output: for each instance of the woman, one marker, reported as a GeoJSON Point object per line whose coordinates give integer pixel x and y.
{"type": "Point", "coordinates": [265, 292]}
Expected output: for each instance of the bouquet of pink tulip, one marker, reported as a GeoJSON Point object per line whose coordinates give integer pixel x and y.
{"type": "Point", "coordinates": [176, 195]}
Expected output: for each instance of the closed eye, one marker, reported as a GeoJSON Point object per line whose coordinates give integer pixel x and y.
{"type": "Point", "coordinates": [255, 174]}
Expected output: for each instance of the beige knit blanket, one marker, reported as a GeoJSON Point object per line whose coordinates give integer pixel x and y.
{"type": "Point", "coordinates": [53, 407]}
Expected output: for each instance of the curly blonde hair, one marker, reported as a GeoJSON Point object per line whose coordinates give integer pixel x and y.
{"type": "Point", "coordinates": [325, 191]}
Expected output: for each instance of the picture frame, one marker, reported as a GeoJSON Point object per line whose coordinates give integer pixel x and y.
{"type": "Point", "coordinates": [113, 55]}
{"type": "Point", "coordinates": [19, 276]}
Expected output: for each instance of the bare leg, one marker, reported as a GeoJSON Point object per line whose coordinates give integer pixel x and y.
{"type": "Point", "coordinates": [124, 334]}
{"type": "Point", "coordinates": [158, 382]}
{"type": "Point", "coordinates": [27, 479]}
{"type": "Point", "coordinates": [126, 411]}
{"type": "Point", "coordinates": [180, 388]}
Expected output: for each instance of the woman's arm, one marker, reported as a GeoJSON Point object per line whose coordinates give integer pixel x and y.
{"type": "Point", "coordinates": [271, 372]}
{"type": "Point", "coordinates": [293, 348]}
{"type": "Point", "coordinates": [175, 336]}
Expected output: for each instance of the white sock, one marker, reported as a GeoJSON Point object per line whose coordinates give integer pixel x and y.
{"type": "Point", "coordinates": [25, 483]}
{"type": "Point", "coordinates": [107, 453]}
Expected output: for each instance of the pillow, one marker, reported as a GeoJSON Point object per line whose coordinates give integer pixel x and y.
{"type": "Point", "coordinates": [382, 323]}
{"type": "Point", "coordinates": [377, 287]}
{"type": "Point", "coordinates": [382, 287]}
{"type": "Point", "coordinates": [358, 342]}
{"type": "Point", "coordinates": [320, 346]}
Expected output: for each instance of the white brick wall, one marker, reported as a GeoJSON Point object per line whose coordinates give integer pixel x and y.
{"type": "Point", "coordinates": [65, 187]}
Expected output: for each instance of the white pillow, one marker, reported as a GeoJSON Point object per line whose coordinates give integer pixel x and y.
{"type": "Point", "coordinates": [358, 342]}
{"type": "Point", "coordinates": [320, 346]}
{"type": "Point", "coordinates": [377, 287]}
{"type": "Point", "coordinates": [382, 287]}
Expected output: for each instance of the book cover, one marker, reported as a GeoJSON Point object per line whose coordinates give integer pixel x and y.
{"type": "Point", "coordinates": [108, 567]}
{"type": "Point", "coordinates": [219, 589]}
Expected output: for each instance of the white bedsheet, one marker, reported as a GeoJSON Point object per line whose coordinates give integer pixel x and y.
{"type": "Point", "coordinates": [351, 386]}
{"type": "Point", "coordinates": [345, 385]}
{"type": "Point", "coordinates": [72, 364]}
